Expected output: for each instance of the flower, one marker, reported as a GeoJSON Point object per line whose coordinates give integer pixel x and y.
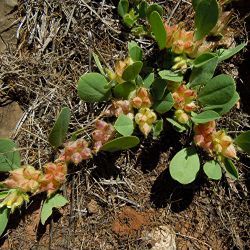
{"type": "Point", "coordinates": [223, 144]}
{"type": "Point", "coordinates": [142, 99]}
{"type": "Point", "coordinates": [14, 199]}
{"type": "Point", "coordinates": [121, 107]}
{"type": "Point", "coordinates": [145, 119]}
{"type": "Point", "coordinates": [54, 177]}
{"type": "Point", "coordinates": [183, 42]}
{"type": "Point", "coordinates": [120, 66]}
{"type": "Point", "coordinates": [213, 141]}
{"type": "Point", "coordinates": [181, 116]}
{"type": "Point", "coordinates": [75, 151]}
{"type": "Point", "coordinates": [103, 133]}
{"type": "Point", "coordinates": [25, 179]}
{"type": "Point", "coordinates": [184, 98]}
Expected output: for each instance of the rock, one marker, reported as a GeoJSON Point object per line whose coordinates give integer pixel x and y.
{"type": "Point", "coordinates": [10, 115]}
{"type": "Point", "coordinates": [160, 238]}
{"type": "Point", "coordinates": [92, 207]}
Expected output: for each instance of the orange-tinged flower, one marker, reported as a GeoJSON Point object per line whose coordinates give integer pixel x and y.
{"type": "Point", "coordinates": [142, 99]}
{"type": "Point", "coordinates": [25, 179]}
{"type": "Point", "coordinates": [184, 98]}
{"type": "Point", "coordinates": [54, 177]}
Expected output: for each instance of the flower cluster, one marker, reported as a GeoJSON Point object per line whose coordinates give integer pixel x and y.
{"type": "Point", "coordinates": [142, 99]}
{"type": "Point", "coordinates": [102, 134]}
{"type": "Point", "coordinates": [184, 102]}
{"type": "Point", "coordinates": [119, 107]}
{"type": "Point", "coordinates": [212, 141]}
{"type": "Point", "coordinates": [75, 151]}
{"type": "Point", "coordinates": [182, 42]}
{"type": "Point", "coordinates": [27, 180]}
{"type": "Point", "coordinates": [145, 119]}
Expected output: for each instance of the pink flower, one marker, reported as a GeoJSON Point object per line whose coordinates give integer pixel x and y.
{"type": "Point", "coordinates": [142, 99]}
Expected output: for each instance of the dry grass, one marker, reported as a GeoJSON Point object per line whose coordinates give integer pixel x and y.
{"type": "Point", "coordinates": [56, 39]}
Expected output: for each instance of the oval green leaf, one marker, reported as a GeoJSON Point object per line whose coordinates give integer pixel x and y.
{"type": "Point", "coordinates": [158, 29]}
{"type": "Point", "coordinates": [171, 75]}
{"type": "Point", "coordinates": [158, 89]}
{"type": "Point", "coordinates": [93, 87]}
{"type": "Point", "coordinates": [205, 116]}
{"type": "Point", "coordinates": [154, 7]}
{"type": "Point", "coordinates": [243, 141]}
{"type": "Point", "coordinates": [56, 201]}
{"type": "Point", "coordinates": [157, 129]}
{"type": "Point", "coordinates": [124, 125]}
{"type": "Point", "coordinates": [60, 128]}
{"type": "Point", "coordinates": [206, 17]}
{"type": "Point", "coordinates": [218, 91]}
{"type": "Point", "coordinates": [231, 170]}
{"type": "Point", "coordinates": [123, 90]}
{"type": "Point", "coordinates": [121, 143]}
{"type": "Point", "coordinates": [225, 54]}
{"type": "Point", "coordinates": [10, 158]}
{"type": "Point", "coordinates": [135, 52]}
{"type": "Point", "coordinates": [185, 165]}
{"type": "Point", "coordinates": [123, 7]}
{"type": "Point", "coordinates": [164, 105]}
{"type": "Point", "coordinates": [132, 71]}
{"type": "Point", "coordinates": [147, 82]}
{"type": "Point", "coordinates": [213, 170]}
{"type": "Point", "coordinates": [4, 217]}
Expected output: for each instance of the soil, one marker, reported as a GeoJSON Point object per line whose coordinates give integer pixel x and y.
{"type": "Point", "coordinates": [114, 198]}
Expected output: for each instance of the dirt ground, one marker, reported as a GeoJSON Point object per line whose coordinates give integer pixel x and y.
{"type": "Point", "coordinates": [116, 200]}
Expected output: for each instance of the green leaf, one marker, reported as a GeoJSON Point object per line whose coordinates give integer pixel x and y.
{"type": "Point", "coordinates": [98, 63]}
{"type": "Point", "coordinates": [218, 91]}
{"type": "Point", "coordinates": [231, 170]}
{"type": "Point", "coordinates": [154, 7]}
{"type": "Point", "coordinates": [147, 82]}
{"type": "Point", "coordinates": [10, 158]}
{"type": "Point", "coordinates": [142, 9]}
{"type": "Point", "coordinates": [130, 18]}
{"type": "Point", "coordinates": [158, 89]}
{"type": "Point", "coordinates": [4, 217]}
{"type": "Point", "coordinates": [164, 105]}
{"type": "Point", "coordinates": [60, 128]}
{"type": "Point", "coordinates": [179, 127]}
{"type": "Point", "coordinates": [243, 141]}
{"type": "Point", "coordinates": [225, 108]}
{"type": "Point", "coordinates": [3, 194]}
{"type": "Point", "coordinates": [93, 87]}
{"type": "Point", "coordinates": [205, 116]}
{"type": "Point", "coordinates": [56, 201]}
{"type": "Point", "coordinates": [121, 143]}
{"type": "Point", "coordinates": [157, 128]}
{"type": "Point", "coordinates": [135, 52]}
{"type": "Point", "coordinates": [225, 54]}
{"type": "Point", "coordinates": [124, 125]}
{"type": "Point", "coordinates": [213, 170]}
{"type": "Point", "coordinates": [171, 75]}
{"type": "Point", "coordinates": [123, 7]}
{"type": "Point", "coordinates": [206, 17]}
{"type": "Point", "coordinates": [203, 70]}
{"type": "Point", "coordinates": [132, 71]}
{"type": "Point", "coordinates": [158, 29]}
{"type": "Point", "coordinates": [123, 90]}
{"type": "Point", "coordinates": [195, 3]}
{"type": "Point", "coordinates": [185, 165]}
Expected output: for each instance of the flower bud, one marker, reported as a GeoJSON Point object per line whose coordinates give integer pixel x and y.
{"type": "Point", "coordinates": [181, 116]}
{"type": "Point", "coordinates": [142, 99]}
